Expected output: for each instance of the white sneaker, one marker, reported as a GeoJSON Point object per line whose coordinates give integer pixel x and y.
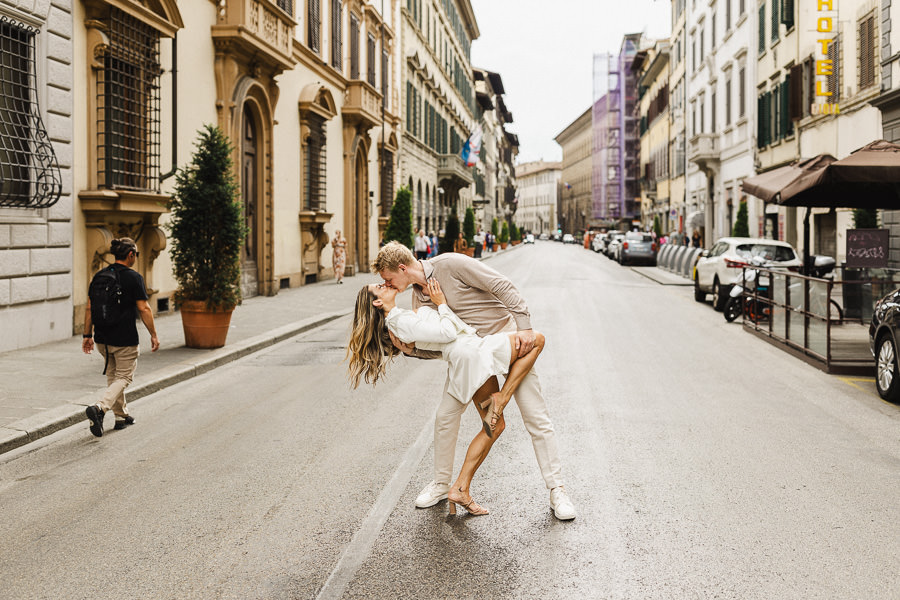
{"type": "Point", "coordinates": [432, 494]}
{"type": "Point", "coordinates": [562, 507]}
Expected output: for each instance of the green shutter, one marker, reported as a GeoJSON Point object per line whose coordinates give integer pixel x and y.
{"type": "Point", "coordinates": [762, 27]}
{"type": "Point", "coordinates": [775, 20]}
{"type": "Point", "coordinates": [787, 13]}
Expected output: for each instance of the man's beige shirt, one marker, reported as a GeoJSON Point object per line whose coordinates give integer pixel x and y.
{"type": "Point", "coordinates": [478, 294]}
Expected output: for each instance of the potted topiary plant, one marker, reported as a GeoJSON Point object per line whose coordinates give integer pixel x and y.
{"type": "Point", "coordinates": [504, 236]}
{"type": "Point", "coordinates": [514, 236]}
{"type": "Point", "coordinates": [451, 232]}
{"type": "Point", "coordinates": [207, 232]}
{"type": "Point", "coordinates": [400, 225]}
{"type": "Point", "coordinates": [494, 232]}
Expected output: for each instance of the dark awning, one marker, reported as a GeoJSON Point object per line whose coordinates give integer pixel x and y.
{"type": "Point", "coordinates": [769, 185]}
{"type": "Point", "coordinates": [868, 178]}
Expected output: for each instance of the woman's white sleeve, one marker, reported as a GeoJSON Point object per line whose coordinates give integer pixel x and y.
{"type": "Point", "coordinates": [425, 325]}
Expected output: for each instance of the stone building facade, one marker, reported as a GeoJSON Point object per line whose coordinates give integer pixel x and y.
{"type": "Point", "coordinates": [575, 194]}
{"type": "Point", "coordinates": [538, 187]}
{"type": "Point", "coordinates": [36, 155]}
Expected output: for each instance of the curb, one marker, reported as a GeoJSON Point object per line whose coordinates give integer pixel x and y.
{"type": "Point", "coordinates": [37, 426]}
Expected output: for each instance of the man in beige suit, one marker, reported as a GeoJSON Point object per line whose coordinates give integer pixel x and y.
{"type": "Point", "coordinates": [490, 303]}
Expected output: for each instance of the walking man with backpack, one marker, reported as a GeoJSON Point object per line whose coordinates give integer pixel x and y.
{"type": "Point", "coordinates": [116, 297]}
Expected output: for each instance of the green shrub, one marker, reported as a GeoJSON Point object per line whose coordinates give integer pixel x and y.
{"type": "Point", "coordinates": [504, 233]}
{"type": "Point", "coordinates": [451, 232]}
{"type": "Point", "coordinates": [469, 227]}
{"type": "Point", "coordinates": [741, 227]}
{"type": "Point", "coordinates": [399, 226]}
{"type": "Point", "coordinates": [206, 226]}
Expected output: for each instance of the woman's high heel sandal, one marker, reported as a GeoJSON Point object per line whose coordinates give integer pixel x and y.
{"type": "Point", "coordinates": [472, 507]}
{"type": "Point", "coordinates": [494, 413]}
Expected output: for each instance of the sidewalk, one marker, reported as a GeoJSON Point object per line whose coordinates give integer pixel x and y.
{"type": "Point", "coordinates": [46, 388]}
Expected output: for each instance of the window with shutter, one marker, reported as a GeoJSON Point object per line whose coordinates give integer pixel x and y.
{"type": "Point", "coordinates": [287, 6]}
{"type": "Point", "coordinates": [354, 46]}
{"type": "Point", "coordinates": [314, 18]}
{"type": "Point", "coordinates": [809, 94]}
{"type": "Point", "coordinates": [867, 51]}
{"type": "Point", "coordinates": [796, 92]}
{"type": "Point", "coordinates": [776, 113]}
{"type": "Point", "coordinates": [336, 42]}
{"type": "Point", "coordinates": [728, 103]}
{"type": "Point", "coordinates": [760, 122]}
{"type": "Point", "coordinates": [742, 95]}
{"type": "Point", "coordinates": [774, 29]}
{"type": "Point", "coordinates": [370, 60]}
{"type": "Point", "coordinates": [787, 13]}
{"type": "Point", "coordinates": [762, 28]}
{"type": "Point", "coordinates": [834, 80]}
{"type": "Point", "coordinates": [385, 77]}
{"type": "Point", "coordinates": [387, 182]}
{"type": "Point", "coordinates": [727, 15]}
{"type": "Point", "coordinates": [787, 126]}
{"type": "Point", "coordinates": [712, 113]}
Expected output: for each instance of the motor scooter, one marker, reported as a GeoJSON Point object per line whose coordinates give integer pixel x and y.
{"type": "Point", "coordinates": [748, 280]}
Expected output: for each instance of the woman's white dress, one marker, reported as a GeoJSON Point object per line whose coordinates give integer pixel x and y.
{"type": "Point", "coordinates": [472, 360]}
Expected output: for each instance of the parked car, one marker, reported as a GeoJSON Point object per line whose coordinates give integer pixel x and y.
{"type": "Point", "coordinates": [529, 239]}
{"type": "Point", "coordinates": [611, 246]}
{"type": "Point", "coordinates": [715, 268]}
{"type": "Point", "coordinates": [544, 237]}
{"type": "Point", "coordinates": [568, 238]}
{"type": "Point", "coordinates": [598, 242]}
{"type": "Point", "coordinates": [557, 237]}
{"type": "Point", "coordinates": [883, 336]}
{"type": "Point", "coordinates": [636, 247]}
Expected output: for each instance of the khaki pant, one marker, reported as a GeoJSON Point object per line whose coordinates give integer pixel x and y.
{"type": "Point", "coordinates": [119, 372]}
{"type": "Point", "coordinates": [533, 408]}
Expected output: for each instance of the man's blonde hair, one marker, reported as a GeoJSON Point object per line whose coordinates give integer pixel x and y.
{"type": "Point", "coordinates": [391, 256]}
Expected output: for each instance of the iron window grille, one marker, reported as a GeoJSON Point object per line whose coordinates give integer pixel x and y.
{"type": "Point", "coordinates": [128, 113]}
{"type": "Point", "coordinates": [314, 165]}
{"type": "Point", "coordinates": [29, 172]}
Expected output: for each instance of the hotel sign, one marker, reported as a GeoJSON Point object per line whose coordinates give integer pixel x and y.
{"type": "Point", "coordinates": [826, 22]}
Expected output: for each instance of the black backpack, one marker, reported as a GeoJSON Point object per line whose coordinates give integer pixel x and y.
{"type": "Point", "coordinates": [108, 305]}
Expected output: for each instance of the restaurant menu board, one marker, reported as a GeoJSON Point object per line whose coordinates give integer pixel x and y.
{"type": "Point", "coordinates": [867, 247]}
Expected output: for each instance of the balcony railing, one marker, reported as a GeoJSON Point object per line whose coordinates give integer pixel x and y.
{"type": "Point", "coordinates": [452, 167]}
{"type": "Point", "coordinates": [703, 150]}
{"type": "Point", "coordinates": [362, 104]}
{"type": "Point", "coordinates": [262, 27]}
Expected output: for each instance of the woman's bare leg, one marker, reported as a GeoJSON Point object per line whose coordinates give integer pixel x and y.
{"type": "Point", "coordinates": [478, 448]}
{"type": "Point", "coordinates": [518, 369]}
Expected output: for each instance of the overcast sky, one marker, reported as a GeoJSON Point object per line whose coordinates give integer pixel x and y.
{"type": "Point", "coordinates": [545, 57]}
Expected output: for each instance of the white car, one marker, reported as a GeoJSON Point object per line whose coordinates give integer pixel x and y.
{"type": "Point", "coordinates": [568, 238]}
{"type": "Point", "coordinates": [717, 267]}
{"type": "Point", "coordinates": [529, 239]}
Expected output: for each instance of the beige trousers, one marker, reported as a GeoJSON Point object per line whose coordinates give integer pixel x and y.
{"type": "Point", "coordinates": [119, 372]}
{"type": "Point", "coordinates": [537, 422]}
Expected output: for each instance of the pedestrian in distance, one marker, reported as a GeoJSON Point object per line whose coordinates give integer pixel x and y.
{"type": "Point", "coordinates": [474, 364]}
{"type": "Point", "coordinates": [433, 245]}
{"type": "Point", "coordinates": [478, 242]}
{"type": "Point", "coordinates": [116, 297]}
{"type": "Point", "coordinates": [421, 245]}
{"type": "Point", "coordinates": [460, 245]}
{"type": "Point", "coordinates": [338, 255]}
{"type": "Point", "coordinates": [490, 303]}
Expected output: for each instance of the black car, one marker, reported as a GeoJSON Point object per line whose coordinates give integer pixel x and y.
{"type": "Point", "coordinates": [883, 344]}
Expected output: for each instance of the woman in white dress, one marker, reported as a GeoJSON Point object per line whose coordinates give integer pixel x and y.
{"type": "Point", "coordinates": [474, 364]}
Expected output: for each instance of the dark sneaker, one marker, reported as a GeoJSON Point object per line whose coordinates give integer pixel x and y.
{"type": "Point", "coordinates": [123, 423]}
{"type": "Point", "coordinates": [95, 416]}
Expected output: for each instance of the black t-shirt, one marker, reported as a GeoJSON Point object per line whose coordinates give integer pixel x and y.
{"type": "Point", "coordinates": [125, 332]}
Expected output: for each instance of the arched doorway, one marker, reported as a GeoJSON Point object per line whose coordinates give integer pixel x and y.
{"type": "Point", "coordinates": [361, 202]}
{"type": "Point", "coordinates": [250, 196]}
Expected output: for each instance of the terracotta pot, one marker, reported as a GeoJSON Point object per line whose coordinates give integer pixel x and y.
{"type": "Point", "coordinates": [204, 328]}
{"type": "Point", "coordinates": [516, 242]}
{"type": "Point", "coordinates": [503, 245]}
{"type": "Point", "coordinates": [470, 252]}
{"type": "Point", "coordinates": [495, 247]}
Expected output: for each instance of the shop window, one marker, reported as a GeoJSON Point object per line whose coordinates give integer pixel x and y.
{"type": "Point", "coordinates": [128, 119]}
{"type": "Point", "coordinates": [29, 173]}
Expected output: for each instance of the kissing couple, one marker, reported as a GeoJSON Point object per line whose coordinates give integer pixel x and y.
{"type": "Point", "coordinates": [474, 318]}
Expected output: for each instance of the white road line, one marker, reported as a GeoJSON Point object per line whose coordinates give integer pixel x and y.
{"type": "Point", "coordinates": [359, 547]}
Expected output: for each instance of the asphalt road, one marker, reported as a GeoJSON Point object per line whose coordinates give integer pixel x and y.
{"type": "Point", "coordinates": [704, 463]}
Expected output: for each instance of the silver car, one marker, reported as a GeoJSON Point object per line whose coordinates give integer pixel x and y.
{"type": "Point", "coordinates": [636, 247]}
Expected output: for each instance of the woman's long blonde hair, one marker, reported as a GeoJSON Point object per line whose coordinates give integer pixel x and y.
{"type": "Point", "coordinates": [370, 348]}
